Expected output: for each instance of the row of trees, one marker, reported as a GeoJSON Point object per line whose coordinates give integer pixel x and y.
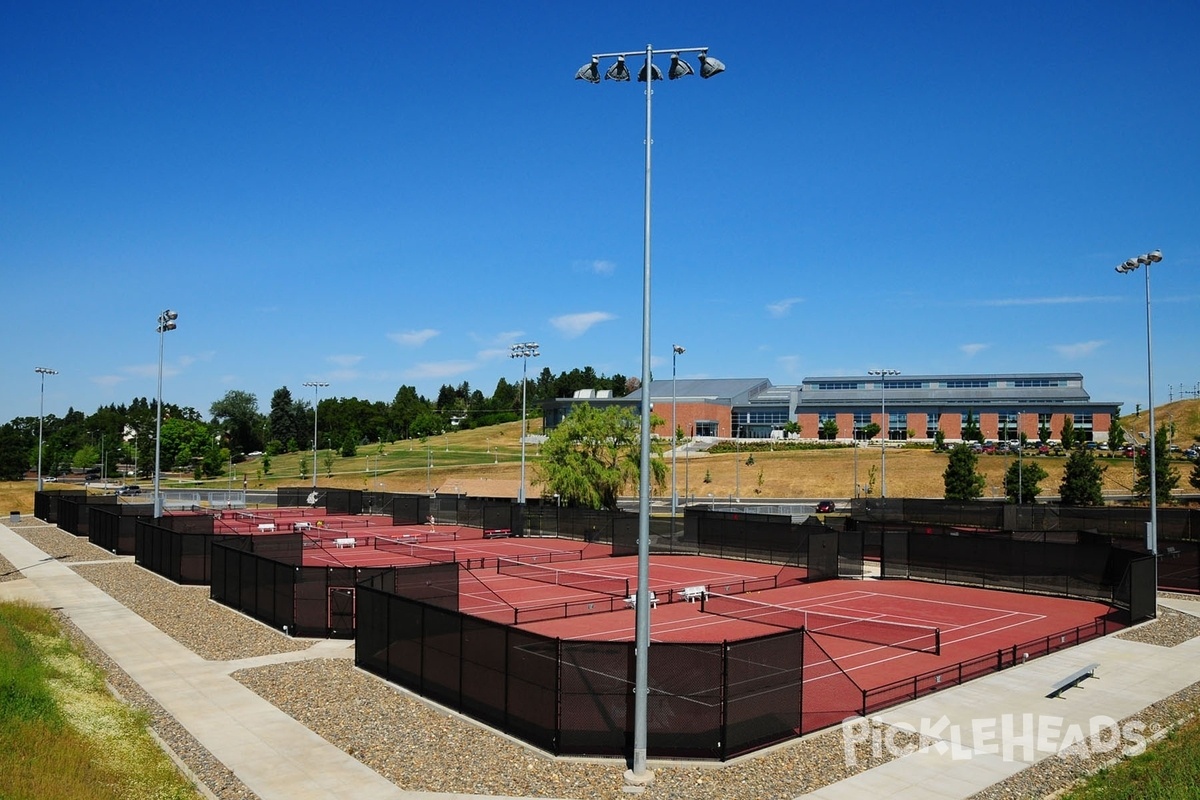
{"type": "Point", "coordinates": [124, 434]}
{"type": "Point", "coordinates": [1082, 476]}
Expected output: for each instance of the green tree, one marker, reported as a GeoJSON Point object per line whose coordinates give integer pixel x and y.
{"type": "Point", "coordinates": [595, 454]}
{"type": "Point", "coordinates": [1023, 479]}
{"type": "Point", "coordinates": [1194, 478]}
{"type": "Point", "coordinates": [970, 431]}
{"type": "Point", "coordinates": [1116, 435]}
{"type": "Point", "coordinates": [1166, 476]}
{"type": "Point", "coordinates": [829, 429]}
{"type": "Point", "coordinates": [939, 440]}
{"type": "Point", "coordinates": [237, 414]}
{"type": "Point", "coordinates": [871, 430]}
{"type": "Point", "coordinates": [14, 457]}
{"type": "Point", "coordinates": [283, 421]}
{"type": "Point", "coordinates": [962, 480]}
{"type": "Point", "coordinates": [1082, 480]}
{"type": "Point", "coordinates": [791, 428]}
{"type": "Point", "coordinates": [1043, 433]}
{"type": "Point", "coordinates": [1068, 432]}
{"type": "Point", "coordinates": [350, 446]}
{"type": "Point", "coordinates": [327, 461]}
{"type": "Point", "coordinates": [266, 464]}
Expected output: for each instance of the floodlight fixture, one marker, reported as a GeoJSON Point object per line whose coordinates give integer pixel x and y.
{"type": "Point", "coordinates": [589, 72]}
{"type": "Point", "coordinates": [654, 71]}
{"type": "Point", "coordinates": [710, 66]}
{"type": "Point", "coordinates": [618, 71]}
{"type": "Point", "coordinates": [679, 67]}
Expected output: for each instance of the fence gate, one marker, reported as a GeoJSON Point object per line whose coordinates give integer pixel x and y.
{"type": "Point", "coordinates": [341, 609]}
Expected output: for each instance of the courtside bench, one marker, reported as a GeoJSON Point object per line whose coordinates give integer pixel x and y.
{"type": "Point", "coordinates": [1073, 679]}
{"type": "Point", "coordinates": [348, 541]}
{"type": "Point", "coordinates": [497, 533]}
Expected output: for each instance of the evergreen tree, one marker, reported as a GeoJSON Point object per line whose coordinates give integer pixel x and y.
{"type": "Point", "coordinates": [1194, 478]}
{"type": "Point", "coordinates": [829, 429]}
{"type": "Point", "coordinates": [1023, 479]}
{"type": "Point", "coordinates": [961, 479]}
{"type": "Point", "coordinates": [1068, 432]}
{"type": "Point", "coordinates": [1081, 481]}
{"type": "Point", "coordinates": [1116, 435]}
{"type": "Point", "coordinates": [971, 432]}
{"type": "Point", "coordinates": [1166, 476]}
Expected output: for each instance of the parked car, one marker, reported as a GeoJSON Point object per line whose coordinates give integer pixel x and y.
{"type": "Point", "coordinates": [825, 506]}
{"type": "Point", "coordinates": [128, 490]}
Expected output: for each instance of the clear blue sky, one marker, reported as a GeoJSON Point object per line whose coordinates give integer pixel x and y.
{"type": "Point", "coordinates": [381, 194]}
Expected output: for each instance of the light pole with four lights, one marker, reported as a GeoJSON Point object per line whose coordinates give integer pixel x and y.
{"type": "Point", "coordinates": [883, 374]}
{"type": "Point", "coordinates": [42, 371]}
{"type": "Point", "coordinates": [166, 322]}
{"type": "Point", "coordinates": [676, 350]}
{"type": "Point", "coordinates": [619, 72]}
{"type": "Point", "coordinates": [1131, 265]}
{"type": "Point", "coordinates": [523, 351]}
{"type": "Point", "coordinates": [316, 387]}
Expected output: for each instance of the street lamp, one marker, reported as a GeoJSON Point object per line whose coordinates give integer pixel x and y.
{"type": "Point", "coordinates": [676, 350]}
{"type": "Point", "coordinates": [649, 73]}
{"type": "Point", "coordinates": [1132, 264]}
{"type": "Point", "coordinates": [316, 387]}
{"type": "Point", "coordinates": [166, 322]}
{"type": "Point", "coordinates": [523, 351]}
{"type": "Point", "coordinates": [43, 371]}
{"type": "Point", "coordinates": [887, 428]}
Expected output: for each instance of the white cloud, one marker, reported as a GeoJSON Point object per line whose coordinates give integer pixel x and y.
{"type": "Point", "coordinates": [971, 350]}
{"type": "Point", "coordinates": [782, 307]}
{"type": "Point", "coordinates": [439, 369]}
{"type": "Point", "coordinates": [1048, 301]}
{"type": "Point", "coordinates": [572, 325]}
{"type": "Point", "coordinates": [1077, 350]}
{"type": "Point", "coordinates": [413, 338]}
{"type": "Point", "coordinates": [599, 266]}
{"type": "Point", "coordinates": [108, 381]}
{"type": "Point", "coordinates": [344, 360]}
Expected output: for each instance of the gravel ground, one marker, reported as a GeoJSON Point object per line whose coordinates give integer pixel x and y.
{"type": "Point", "coordinates": [419, 747]}
{"type": "Point", "coordinates": [211, 630]}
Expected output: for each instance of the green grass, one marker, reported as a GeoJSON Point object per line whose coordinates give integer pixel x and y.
{"type": "Point", "coordinates": [62, 735]}
{"type": "Point", "coordinates": [1167, 770]}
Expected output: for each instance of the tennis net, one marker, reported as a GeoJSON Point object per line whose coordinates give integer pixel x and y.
{"type": "Point", "coordinates": [921, 638]}
{"type": "Point", "coordinates": [604, 584]}
{"type": "Point", "coordinates": [390, 545]}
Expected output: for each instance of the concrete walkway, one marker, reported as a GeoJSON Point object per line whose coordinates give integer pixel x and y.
{"type": "Point", "coordinates": [273, 754]}
{"type": "Point", "coordinates": [994, 727]}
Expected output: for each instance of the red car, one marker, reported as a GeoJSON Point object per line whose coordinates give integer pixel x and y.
{"type": "Point", "coordinates": [825, 506]}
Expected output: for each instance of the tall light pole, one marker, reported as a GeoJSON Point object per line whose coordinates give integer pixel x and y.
{"type": "Point", "coordinates": [1020, 464]}
{"type": "Point", "coordinates": [523, 351]}
{"type": "Point", "coordinates": [316, 387]}
{"type": "Point", "coordinates": [676, 350]}
{"type": "Point", "coordinates": [1132, 264]}
{"type": "Point", "coordinates": [649, 73]}
{"type": "Point", "coordinates": [43, 371]}
{"type": "Point", "coordinates": [166, 322]}
{"type": "Point", "coordinates": [883, 374]}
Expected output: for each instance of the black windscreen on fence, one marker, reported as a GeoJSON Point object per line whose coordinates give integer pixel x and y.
{"type": "Point", "coordinates": [762, 685]}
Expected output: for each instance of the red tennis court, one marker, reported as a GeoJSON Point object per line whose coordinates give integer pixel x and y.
{"type": "Point", "coordinates": [973, 623]}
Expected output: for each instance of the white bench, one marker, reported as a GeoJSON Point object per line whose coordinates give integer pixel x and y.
{"type": "Point", "coordinates": [631, 601]}
{"type": "Point", "coordinates": [302, 526]}
{"type": "Point", "coordinates": [345, 542]}
{"type": "Point", "coordinates": [1073, 679]}
{"type": "Point", "coordinates": [266, 527]}
{"type": "Point", "coordinates": [693, 593]}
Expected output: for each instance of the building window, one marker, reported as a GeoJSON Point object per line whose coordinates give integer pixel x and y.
{"type": "Point", "coordinates": [1006, 426]}
{"type": "Point", "coordinates": [895, 384]}
{"type": "Point", "coordinates": [824, 418]}
{"type": "Point", "coordinates": [1044, 425]}
{"type": "Point", "coordinates": [973, 383]}
{"type": "Point", "coordinates": [896, 425]}
{"type": "Point", "coordinates": [1037, 383]}
{"type": "Point", "coordinates": [826, 386]}
{"type": "Point", "coordinates": [931, 425]}
{"type": "Point", "coordinates": [1083, 427]}
{"type": "Point", "coordinates": [861, 420]}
